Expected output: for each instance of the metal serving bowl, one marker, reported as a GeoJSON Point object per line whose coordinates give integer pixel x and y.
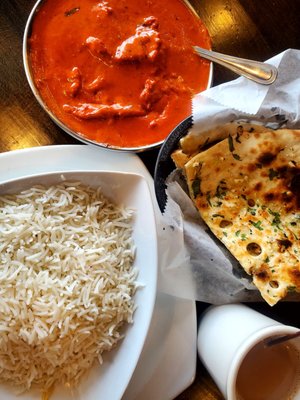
{"type": "Point", "coordinates": [29, 76]}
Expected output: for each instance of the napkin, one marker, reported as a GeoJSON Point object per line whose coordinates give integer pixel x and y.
{"type": "Point", "coordinates": [194, 264]}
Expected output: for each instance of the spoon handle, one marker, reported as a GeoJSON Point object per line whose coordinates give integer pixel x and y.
{"type": "Point", "coordinates": [255, 70]}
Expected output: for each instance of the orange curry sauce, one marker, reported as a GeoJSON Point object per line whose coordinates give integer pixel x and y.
{"type": "Point", "coordinates": [119, 72]}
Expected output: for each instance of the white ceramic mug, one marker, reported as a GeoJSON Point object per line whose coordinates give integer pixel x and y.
{"type": "Point", "coordinates": [230, 335]}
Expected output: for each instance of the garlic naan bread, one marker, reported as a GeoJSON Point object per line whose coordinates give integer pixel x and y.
{"type": "Point", "coordinates": [247, 189]}
{"type": "Point", "coordinates": [192, 143]}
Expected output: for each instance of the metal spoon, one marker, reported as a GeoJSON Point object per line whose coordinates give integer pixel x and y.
{"type": "Point", "coordinates": [281, 339]}
{"type": "Point", "coordinates": [255, 70]}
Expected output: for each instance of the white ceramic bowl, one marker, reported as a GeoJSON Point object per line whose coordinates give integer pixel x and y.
{"type": "Point", "coordinates": [110, 380]}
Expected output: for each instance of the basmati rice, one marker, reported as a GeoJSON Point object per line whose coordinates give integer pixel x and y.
{"type": "Point", "coordinates": [66, 282]}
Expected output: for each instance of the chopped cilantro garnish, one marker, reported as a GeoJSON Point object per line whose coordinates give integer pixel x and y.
{"type": "Point", "coordinates": [243, 236]}
{"type": "Point", "coordinates": [230, 143]}
{"type": "Point", "coordinates": [196, 187]}
{"type": "Point", "coordinates": [267, 259]}
{"type": "Point", "coordinates": [237, 233]}
{"type": "Point", "coordinates": [257, 225]}
{"type": "Point", "coordinates": [276, 220]}
{"type": "Point", "coordinates": [208, 198]}
{"type": "Point", "coordinates": [252, 211]}
{"type": "Point", "coordinates": [221, 190]}
{"type": "Point", "coordinates": [236, 156]}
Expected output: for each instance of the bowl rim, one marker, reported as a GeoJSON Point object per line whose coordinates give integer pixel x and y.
{"type": "Point", "coordinates": [55, 119]}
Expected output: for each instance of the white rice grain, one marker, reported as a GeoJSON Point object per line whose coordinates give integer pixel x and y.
{"type": "Point", "coordinates": [66, 282]}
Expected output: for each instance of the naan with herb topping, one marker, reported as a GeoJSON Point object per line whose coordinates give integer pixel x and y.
{"type": "Point", "coordinates": [192, 143]}
{"type": "Point", "coordinates": [247, 189]}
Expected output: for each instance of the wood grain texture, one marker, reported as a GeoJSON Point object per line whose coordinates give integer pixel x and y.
{"type": "Point", "coordinates": [245, 28]}
{"type": "Point", "coordinates": [23, 123]}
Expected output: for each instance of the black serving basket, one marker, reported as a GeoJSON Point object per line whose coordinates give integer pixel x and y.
{"type": "Point", "coordinates": [164, 164]}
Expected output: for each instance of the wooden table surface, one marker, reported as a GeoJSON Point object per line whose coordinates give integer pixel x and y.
{"type": "Point", "coordinates": [245, 28]}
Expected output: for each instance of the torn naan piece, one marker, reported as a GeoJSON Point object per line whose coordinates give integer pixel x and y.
{"type": "Point", "coordinates": [247, 190]}
{"type": "Point", "coordinates": [192, 143]}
